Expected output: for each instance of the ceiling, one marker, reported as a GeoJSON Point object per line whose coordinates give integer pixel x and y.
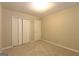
{"type": "Point", "coordinates": [25, 7]}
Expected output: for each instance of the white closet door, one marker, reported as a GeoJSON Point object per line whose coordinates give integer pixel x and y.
{"type": "Point", "coordinates": [20, 31]}
{"type": "Point", "coordinates": [26, 31]}
{"type": "Point", "coordinates": [15, 31]}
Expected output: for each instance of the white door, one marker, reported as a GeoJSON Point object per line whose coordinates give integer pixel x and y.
{"type": "Point", "coordinates": [26, 30]}
{"type": "Point", "coordinates": [15, 31]}
{"type": "Point", "coordinates": [20, 31]}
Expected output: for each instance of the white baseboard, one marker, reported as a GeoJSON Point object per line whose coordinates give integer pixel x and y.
{"type": "Point", "coordinates": [0, 51]}
{"type": "Point", "coordinates": [12, 46]}
{"type": "Point", "coordinates": [59, 45]}
{"type": "Point", "coordinates": [6, 48]}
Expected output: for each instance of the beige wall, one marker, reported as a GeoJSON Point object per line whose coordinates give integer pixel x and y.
{"type": "Point", "coordinates": [0, 25]}
{"type": "Point", "coordinates": [62, 27]}
{"type": "Point", "coordinates": [7, 24]}
{"type": "Point", "coordinates": [37, 29]}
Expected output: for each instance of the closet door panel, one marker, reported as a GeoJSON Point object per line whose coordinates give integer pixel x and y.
{"type": "Point", "coordinates": [26, 31]}
{"type": "Point", "coordinates": [20, 31]}
{"type": "Point", "coordinates": [15, 31]}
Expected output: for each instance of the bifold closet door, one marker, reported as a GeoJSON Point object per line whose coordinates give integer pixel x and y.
{"type": "Point", "coordinates": [15, 31]}
{"type": "Point", "coordinates": [17, 34]}
{"type": "Point", "coordinates": [20, 31]}
{"type": "Point", "coordinates": [27, 25]}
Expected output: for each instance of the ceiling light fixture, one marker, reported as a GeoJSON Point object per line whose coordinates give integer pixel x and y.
{"type": "Point", "coordinates": [40, 5]}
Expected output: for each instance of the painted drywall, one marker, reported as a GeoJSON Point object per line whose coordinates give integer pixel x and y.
{"type": "Point", "coordinates": [37, 29]}
{"type": "Point", "coordinates": [62, 27]}
{"type": "Point", "coordinates": [0, 24]}
{"type": "Point", "coordinates": [7, 25]}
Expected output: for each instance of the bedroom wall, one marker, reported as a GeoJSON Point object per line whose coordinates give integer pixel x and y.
{"type": "Point", "coordinates": [62, 27]}
{"type": "Point", "coordinates": [0, 24]}
{"type": "Point", "coordinates": [7, 25]}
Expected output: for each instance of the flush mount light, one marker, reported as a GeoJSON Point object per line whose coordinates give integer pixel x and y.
{"type": "Point", "coordinates": [40, 5]}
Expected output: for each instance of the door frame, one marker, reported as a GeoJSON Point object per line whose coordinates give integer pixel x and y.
{"type": "Point", "coordinates": [31, 29]}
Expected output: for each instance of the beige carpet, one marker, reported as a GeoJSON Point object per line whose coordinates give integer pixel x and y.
{"type": "Point", "coordinates": [39, 48]}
